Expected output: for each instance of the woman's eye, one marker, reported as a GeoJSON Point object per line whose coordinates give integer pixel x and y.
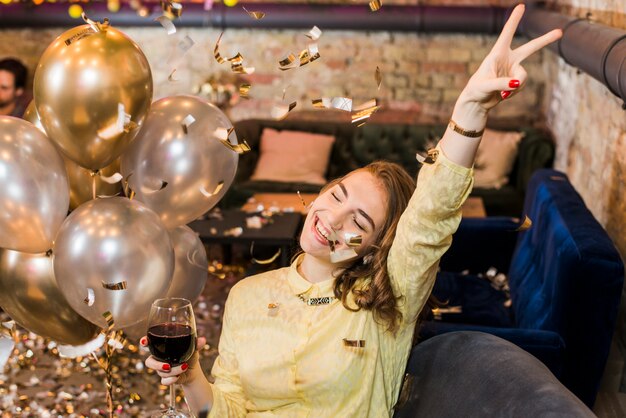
{"type": "Point", "coordinates": [358, 225]}
{"type": "Point", "coordinates": [335, 196]}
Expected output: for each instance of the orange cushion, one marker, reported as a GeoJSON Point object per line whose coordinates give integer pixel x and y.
{"type": "Point", "coordinates": [293, 156]}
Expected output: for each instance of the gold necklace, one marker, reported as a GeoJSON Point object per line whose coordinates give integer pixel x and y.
{"type": "Point", "coordinates": [324, 300]}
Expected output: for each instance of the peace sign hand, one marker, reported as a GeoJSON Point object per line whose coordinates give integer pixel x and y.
{"type": "Point", "coordinates": [501, 74]}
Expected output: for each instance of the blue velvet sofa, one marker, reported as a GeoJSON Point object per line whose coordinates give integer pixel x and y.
{"type": "Point", "coordinates": [565, 278]}
{"type": "Point", "coordinates": [473, 374]}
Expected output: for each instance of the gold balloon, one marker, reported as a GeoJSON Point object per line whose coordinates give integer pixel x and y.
{"type": "Point", "coordinates": [81, 179]}
{"type": "Point", "coordinates": [31, 115]}
{"type": "Point", "coordinates": [85, 82]}
{"type": "Point", "coordinates": [81, 182]}
{"type": "Point", "coordinates": [30, 295]}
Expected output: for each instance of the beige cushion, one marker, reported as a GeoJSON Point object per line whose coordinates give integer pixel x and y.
{"type": "Point", "coordinates": [495, 158]}
{"type": "Point", "coordinates": [293, 156]}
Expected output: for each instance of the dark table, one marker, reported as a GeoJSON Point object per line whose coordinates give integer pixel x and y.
{"type": "Point", "coordinates": [282, 231]}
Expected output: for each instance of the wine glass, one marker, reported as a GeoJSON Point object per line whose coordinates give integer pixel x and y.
{"type": "Point", "coordinates": [172, 340]}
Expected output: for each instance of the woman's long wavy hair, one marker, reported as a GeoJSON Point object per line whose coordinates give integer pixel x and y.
{"type": "Point", "coordinates": [377, 295]}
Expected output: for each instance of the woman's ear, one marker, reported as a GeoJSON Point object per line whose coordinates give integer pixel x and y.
{"type": "Point", "coordinates": [368, 258]}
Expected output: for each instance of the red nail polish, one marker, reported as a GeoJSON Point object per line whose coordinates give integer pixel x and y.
{"type": "Point", "coordinates": [184, 367]}
{"type": "Point", "coordinates": [166, 367]}
{"type": "Point", "coordinates": [504, 94]}
{"type": "Point", "coordinates": [143, 341]}
{"type": "Point", "coordinates": [514, 84]}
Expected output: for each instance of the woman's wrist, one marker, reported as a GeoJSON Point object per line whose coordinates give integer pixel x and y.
{"type": "Point", "coordinates": [469, 114]}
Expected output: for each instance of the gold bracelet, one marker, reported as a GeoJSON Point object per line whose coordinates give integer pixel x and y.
{"type": "Point", "coordinates": [470, 134]}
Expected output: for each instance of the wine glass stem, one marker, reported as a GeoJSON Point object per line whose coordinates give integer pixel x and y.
{"type": "Point", "coordinates": [172, 397]}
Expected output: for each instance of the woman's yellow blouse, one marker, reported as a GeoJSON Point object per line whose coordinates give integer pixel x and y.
{"type": "Point", "coordinates": [279, 357]}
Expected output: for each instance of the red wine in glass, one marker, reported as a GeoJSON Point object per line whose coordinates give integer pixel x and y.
{"type": "Point", "coordinates": [171, 342]}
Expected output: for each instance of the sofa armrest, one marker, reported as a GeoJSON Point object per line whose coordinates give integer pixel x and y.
{"type": "Point", "coordinates": [472, 374]}
{"type": "Point", "coordinates": [481, 243]}
{"type": "Point", "coordinates": [547, 346]}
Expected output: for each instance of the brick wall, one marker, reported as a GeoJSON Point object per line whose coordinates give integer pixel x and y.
{"type": "Point", "coordinates": [590, 128]}
{"type": "Point", "coordinates": [422, 74]}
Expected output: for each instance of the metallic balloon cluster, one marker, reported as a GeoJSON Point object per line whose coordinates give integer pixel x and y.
{"type": "Point", "coordinates": [92, 117]}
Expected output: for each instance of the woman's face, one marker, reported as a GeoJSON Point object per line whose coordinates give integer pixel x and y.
{"type": "Point", "coordinates": [355, 206]}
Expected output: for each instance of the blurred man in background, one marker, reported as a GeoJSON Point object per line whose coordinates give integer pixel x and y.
{"type": "Point", "coordinates": [12, 82]}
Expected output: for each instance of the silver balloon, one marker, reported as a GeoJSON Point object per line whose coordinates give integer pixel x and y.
{"type": "Point", "coordinates": [177, 168]}
{"type": "Point", "coordinates": [191, 265]}
{"type": "Point", "coordinates": [30, 295]}
{"type": "Point", "coordinates": [34, 191]}
{"type": "Point", "coordinates": [190, 273]}
{"type": "Point", "coordinates": [113, 254]}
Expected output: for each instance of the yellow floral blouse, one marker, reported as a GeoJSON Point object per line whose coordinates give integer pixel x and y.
{"type": "Point", "coordinates": [279, 357]}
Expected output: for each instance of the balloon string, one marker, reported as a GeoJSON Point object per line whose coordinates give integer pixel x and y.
{"type": "Point", "coordinates": [108, 378]}
{"type": "Point", "coordinates": [94, 173]}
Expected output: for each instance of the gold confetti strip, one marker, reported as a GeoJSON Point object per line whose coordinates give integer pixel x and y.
{"type": "Point", "coordinates": [108, 317]}
{"type": "Point", "coordinates": [171, 76]}
{"type": "Point", "coordinates": [243, 90]}
{"type": "Point", "coordinates": [353, 240]}
{"type": "Point", "coordinates": [353, 343]}
{"type": "Point", "coordinates": [341, 103]}
{"type": "Point", "coordinates": [308, 55]}
{"type": "Point", "coordinates": [364, 111]}
{"type": "Point", "coordinates": [216, 50]}
{"type": "Point", "coordinates": [96, 26]}
{"type": "Point", "coordinates": [430, 158]}
{"type": "Point", "coordinates": [91, 297]}
{"type": "Point", "coordinates": [238, 68]}
{"type": "Point", "coordinates": [236, 62]}
{"type": "Point", "coordinates": [237, 59]}
{"type": "Point", "coordinates": [263, 262]}
{"type": "Point", "coordinates": [148, 190]}
{"type": "Point", "coordinates": [192, 259]}
{"type": "Point", "coordinates": [437, 312]}
{"type": "Point", "coordinates": [314, 33]}
{"type": "Point", "coordinates": [115, 178]}
{"type": "Point", "coordinates": [185, 44]}
{"type": "Point", "coordinates": [255, 15]}
{"type": "Point", "coordinates": [301, 199]}
{"type": "Point", "coordinates": [8, 329]}
{"type": "Point", "coordinates": [524, 225]}
{"type": "Point", "coordinates": [272, 306]}
{"type": "Point", "coordinates": [222, 133]}
{"type": "Point", "coordinates": [167, 24]}
{"type": "Point", "coordinates": [217, 189]}
{"type": "Point", "coordinates": [287, 63]}
{"type": "Point", "coordinates": [187, 122]}
{"type": "Point", "coordinates": [172, 7]}
{"type": "Point", "coordinates": [240, 148]}
{"type": "Point", "coordinates": [115, 286]}
{"type": "Point", "coordinates": [378, 77]}
{"type": "Point", "coordinates": [375, 5]}
{"type": "Point", "coordinates": [122, 124]}
{"type": "Point", "coordinates": [285, 91]}
{"type": "Point", "coordinates": [280, 112]}
{"type": "Point", "coordinates": [117, 340]}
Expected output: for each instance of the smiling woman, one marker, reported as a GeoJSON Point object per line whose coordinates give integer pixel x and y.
{"type": "Point", "coordinates": [330, 335]}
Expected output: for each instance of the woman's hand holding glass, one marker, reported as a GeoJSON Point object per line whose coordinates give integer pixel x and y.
{"type": "Point", "coordinates": [181, 374]}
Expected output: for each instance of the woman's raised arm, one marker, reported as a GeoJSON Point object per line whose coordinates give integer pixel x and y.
{"type": "Point", "coordinates": [499, 77]}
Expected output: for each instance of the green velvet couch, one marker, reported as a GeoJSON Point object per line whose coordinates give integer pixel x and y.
{"type": "Point", "coordinates": [357, 146]}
